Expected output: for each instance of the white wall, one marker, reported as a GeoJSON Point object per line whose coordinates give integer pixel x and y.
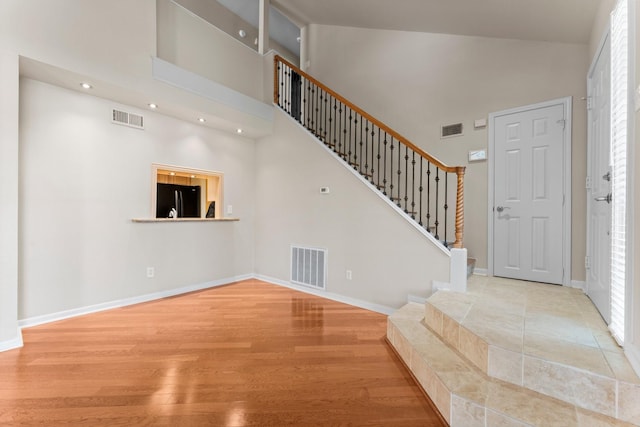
{"type": "Point", "coordinates": [194, 44]}
{"type": "Point", "coordinates": [600, 25]}
{"type": "Point", "coordinates": [416, 82]}
{"type": "Point", "coordinates": [632, 343]}
{"type": "Point", "coordinates": [111, 40]}
{"type": "Point", "coordinates": [82, 180]}
{"type": "Point", "coordinates": [388, 257]}
{"type": "Point", "coordinates": [9, 336]}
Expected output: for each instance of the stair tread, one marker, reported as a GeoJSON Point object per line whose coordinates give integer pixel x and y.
{"type": "Point", "coordinates": [460, 390]}
{"type": "Point", "coordinates": [584, 326]}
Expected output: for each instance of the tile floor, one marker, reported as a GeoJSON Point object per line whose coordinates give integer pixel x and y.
{"type": "Point", "coordinates": [543, 339]}
{"type": "Point", "coordinates": [553, 323]}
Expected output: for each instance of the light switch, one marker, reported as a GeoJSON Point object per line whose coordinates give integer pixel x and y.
{"type": "Point", "coordinates": [480, 123]}
{"type": "Point", "coordinates": [229, 209]}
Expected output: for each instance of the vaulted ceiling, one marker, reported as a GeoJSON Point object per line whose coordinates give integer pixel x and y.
{"type": "Point", "coordinates": [567, 21]}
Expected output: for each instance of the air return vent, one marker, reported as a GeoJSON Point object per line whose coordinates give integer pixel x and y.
{"type": "Point", "coordinates": [451, 130]}
{"type": "Point", "coordinates": [309, 266]}
{"type": "Point", "coordinates": [127, 119]}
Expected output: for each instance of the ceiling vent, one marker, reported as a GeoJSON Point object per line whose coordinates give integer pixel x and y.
{"type": "Point", "coordinates": [127, 119]}
{"type": "Point", "coordinates": [451, 130]}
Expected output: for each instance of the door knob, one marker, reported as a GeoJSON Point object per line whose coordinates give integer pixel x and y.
{"type": "Point", "coordinates": [607, 176]}
{"type": "Point", "coordinates": [606, 198]}
{"type": "Point", "coordinates": [501, 208]}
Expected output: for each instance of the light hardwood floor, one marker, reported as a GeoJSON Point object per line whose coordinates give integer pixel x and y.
{"type": "Point", "coordinates": [247, 354]}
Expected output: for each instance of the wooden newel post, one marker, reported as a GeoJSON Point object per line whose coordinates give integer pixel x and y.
{"type": "Point", "coordinates": [459, 208]}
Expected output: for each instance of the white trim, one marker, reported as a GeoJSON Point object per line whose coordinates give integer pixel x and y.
{"type": "Point", "coordinates": [481, 272]}
{"type": "Point", "coordinates": [633, 356]}
{"type": "Point", "coordinates": [567, 104]}
{"type": "Point", "coordinates": [371, 186]}
{"type": "Point", "coordinates": [579, 284]}
{"type": "Point", "coordinates": [61, 315]}
{"type": "Point", "coordinates": [191, 82]}
{"type": "Point", "coordinates": [383, 309]}
{"type": "Point", "coordinates": [632, 349]}
{"type": "Point", "coordinates": [416, 299]}
{"type": "Point", "coordinates": [13, 343]}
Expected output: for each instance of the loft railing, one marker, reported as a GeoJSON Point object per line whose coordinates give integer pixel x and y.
{"type": "Point", "coordinates": [415, 181]}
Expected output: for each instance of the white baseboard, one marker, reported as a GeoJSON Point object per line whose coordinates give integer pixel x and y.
{"type": "Point", "coordinates": [633, 356]}
{"type": "Point", "coordinates": [481, 272]}
{"type": "Point", "coordinates": [61, 315]}
{"type": "Point", "coordinates": [13, 343]}
{"type": "Point", "coordinates": [579, 284]}
{"type": "Point", "coordinates": [417, 299]}
{"type": "Point", "coordinates": [383, 309]}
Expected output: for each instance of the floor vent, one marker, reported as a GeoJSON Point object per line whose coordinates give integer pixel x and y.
{"type": "Point", "coordinates": [451, 130]}
{"type": "Point", "coordinates": [127, 119]}
{"type": "Point", "coordinates": [309, 266]}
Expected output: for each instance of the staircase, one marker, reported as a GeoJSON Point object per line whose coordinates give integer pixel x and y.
{"type": "Point", "coordinates": [511, 353]}
{"type": "Point", "coordinates": [420, 185]}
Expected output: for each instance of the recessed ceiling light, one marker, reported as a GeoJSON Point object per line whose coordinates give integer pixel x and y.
{"type": "Point", "coordinates": [239, 130]}
{"type": "Point", "coordinates": [153, 106]}
{"type": "Point", "coordinates": [86, 85]}
{"type": "Point", "coordinates": [298, 39]}
{"type": "Point", "coordinates": [242, 33]}
{"type": "Point", "coordinates": [202, 119]}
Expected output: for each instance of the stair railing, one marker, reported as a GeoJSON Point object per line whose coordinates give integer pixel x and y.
{"type": "Point", "coordinates": [415, 181]}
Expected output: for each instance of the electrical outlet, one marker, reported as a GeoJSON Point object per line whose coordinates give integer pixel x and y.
{"type": "Point", "coordinates": [151, 272]}
{"type": "Point", "coordinates": [349, 275]}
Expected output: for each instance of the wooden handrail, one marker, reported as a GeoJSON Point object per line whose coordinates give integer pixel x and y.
{"type": "Point", "coordinates": [387, 129]}
{"type": "Point", "coordinates": [458, 170]}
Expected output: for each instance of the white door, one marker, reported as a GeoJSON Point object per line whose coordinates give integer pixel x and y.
{"type": "Point", "coordinates": [528, 194]}
{"type": "Point", "coordinates": [599, 184]}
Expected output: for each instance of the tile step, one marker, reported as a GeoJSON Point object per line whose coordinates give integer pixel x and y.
{"type": "Point", "coordinates": [587, 377]}
{"type": "Point", "coordinates": [466, 396]}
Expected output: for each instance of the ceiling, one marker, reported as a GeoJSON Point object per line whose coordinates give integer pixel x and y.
{"type": "Point", "coordinates": [566, 21]}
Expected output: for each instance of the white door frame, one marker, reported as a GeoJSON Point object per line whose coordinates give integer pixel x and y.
{"type": "Point", "coordinates": [606, 38]}
{"type": "Point", "coordinates": [566, 220]}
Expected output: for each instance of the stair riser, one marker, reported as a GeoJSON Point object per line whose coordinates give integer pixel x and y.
{"type": "Point", "coordinates": [575, 386]}
{"type": "Point", "coordinates": [465, 408]}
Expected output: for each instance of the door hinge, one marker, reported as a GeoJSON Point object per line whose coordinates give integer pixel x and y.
{"type": "Point", "coordinates": [589, 102]}
{"type": "Point", "coordinates": [588, 183]}
{"type": "Point", "coordinates": [587, 262]}
{"type": "Point", "coordinates": [562, 122]}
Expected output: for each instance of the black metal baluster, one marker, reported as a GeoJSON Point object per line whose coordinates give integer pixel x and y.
{"type": "Point", "coordinates": [347, 133]}
{"type": "Point", "coordinates": [391, 187]}
{"type": "Point", "coordinates": [437, 200]}
{"type": "Point", "coordinates": [356, 154]}
{"type": "Point", "coordinates": [366, 151]}
{"type": "Point", "coordinates": [429, 197]}
{"type": "Point", "coordinates": [326, 141]}
{"type": "Point", "coordinates": [334, 113]}
{"type": "Point", "coordinates": [378, 156]}
{"type": "Point", "coordinates": [420, 193]}
{"type": "Point", "coordinates": [413, 185]}
{"type": "Point", "coordinates": [287, 92]}
{"type": "Point", "coordinates": [384, 174]}
{"type": "Point", "coordinates": [406, 177]}
{"type": "Point", "coordinates": [278, 95]}
{"type": "Point", "coordinates": [317, 110]}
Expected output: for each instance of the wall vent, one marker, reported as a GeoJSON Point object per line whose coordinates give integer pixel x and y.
{"type": "Point", "coordinates": [309, 266]}
{"type": "Point", "coordinates": [451, 130]}
{"type": "Point", "coordinates": [127, 119]}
